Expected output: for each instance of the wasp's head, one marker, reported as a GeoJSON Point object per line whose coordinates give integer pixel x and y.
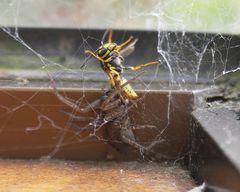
{"type": "Point", "coordinates": [106, 49]}
{"type": "Point", "coordinates": [109, 46]}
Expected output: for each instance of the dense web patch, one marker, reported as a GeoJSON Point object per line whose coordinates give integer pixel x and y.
{"type": "Point", "coordinates": [187, 61]}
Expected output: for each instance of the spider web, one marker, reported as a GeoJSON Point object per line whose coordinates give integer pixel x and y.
{"type": "Point", "coordinates": [188, 60]}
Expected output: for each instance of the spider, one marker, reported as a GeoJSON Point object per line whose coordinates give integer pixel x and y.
{"type": "Point", "coordinates": [114, 105]}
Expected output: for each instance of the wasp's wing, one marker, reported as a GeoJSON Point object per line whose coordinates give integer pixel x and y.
{"type": "Point", "coordinates": [127, 50]}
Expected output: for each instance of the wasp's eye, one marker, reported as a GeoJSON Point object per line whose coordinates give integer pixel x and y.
{"type": "Point", "coordinates": [102, 51]}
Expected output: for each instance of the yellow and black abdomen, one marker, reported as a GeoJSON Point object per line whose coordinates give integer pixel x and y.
{"type": "Point", "coordinates": [128, 90]}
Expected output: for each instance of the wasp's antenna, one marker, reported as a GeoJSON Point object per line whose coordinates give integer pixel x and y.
{"type": "Point", "coordinates": [109, 33]}
{"type": "Point", "coordinates": [85, 62]}
{"type": "Point", "coordinates": [104, 37]}
{"type": "Point", "coordinates": [110, 36]}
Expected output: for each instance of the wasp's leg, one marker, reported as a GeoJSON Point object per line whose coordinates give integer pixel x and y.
{"type": "Point", "coordinates": [94, 55]}
{"type": "Point", "coordinates": [119, 47]}
{"type": "Point", "coordinates": [141, 66]}
{"type": "Point", "coordinates": [114, 77]}
{"type": "Point", "coordinates": [111, 79]}
{"type": "Point", "coordinates": [117, 91]}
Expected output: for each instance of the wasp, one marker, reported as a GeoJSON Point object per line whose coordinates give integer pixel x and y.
{"type": "Point", "coordinates": [111, 57]}
{"type": "Point", "coordinates": [113, 106]}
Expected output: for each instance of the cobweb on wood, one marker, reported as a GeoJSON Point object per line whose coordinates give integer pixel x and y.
{"type": "Point", "coordinates": [187, 61]}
